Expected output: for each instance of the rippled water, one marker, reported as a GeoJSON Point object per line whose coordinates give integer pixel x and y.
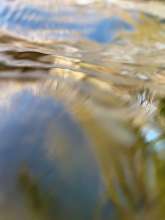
{"type": "Point", "coordinates": [82, 111]}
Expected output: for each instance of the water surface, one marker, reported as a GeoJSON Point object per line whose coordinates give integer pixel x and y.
{"type": "Point", "coordinates": [82, 111]}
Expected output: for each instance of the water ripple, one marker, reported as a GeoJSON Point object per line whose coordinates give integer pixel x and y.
{"type": "Point", "coordinates": [89, 83]}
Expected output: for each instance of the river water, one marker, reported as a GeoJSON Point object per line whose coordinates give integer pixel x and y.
{"type": "Point", "coordinates": [82, 110]}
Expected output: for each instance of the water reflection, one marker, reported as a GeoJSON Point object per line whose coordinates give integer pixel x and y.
{"type": "Point", "coordinates": [46, 160]}
{"type": "Point", "coordinates": [81, 112]}
{"type": "Point", "coordinates": [95, 27]}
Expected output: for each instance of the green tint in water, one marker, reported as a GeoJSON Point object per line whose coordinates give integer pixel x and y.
{"type": "Point", "coordinates": [82, 111]}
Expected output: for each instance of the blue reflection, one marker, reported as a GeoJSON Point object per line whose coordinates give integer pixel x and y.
{"type": "Point", "coordinates": [29, 134]}
{"type": "Point", "coordinates": [106, 29]}
{"type": "Point", "coordinates": [151, 133]}
{"type": "Point", "coordinates": [103, 30]}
